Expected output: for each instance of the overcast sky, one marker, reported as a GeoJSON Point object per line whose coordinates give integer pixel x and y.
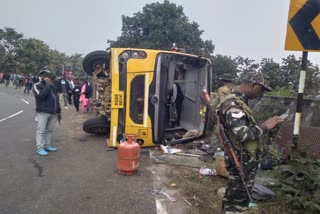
{"type": "Point", "coordinates": [250, 28]}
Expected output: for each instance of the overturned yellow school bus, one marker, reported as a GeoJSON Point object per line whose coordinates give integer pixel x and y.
{"type": "Point", "coordinates": [152, 93]}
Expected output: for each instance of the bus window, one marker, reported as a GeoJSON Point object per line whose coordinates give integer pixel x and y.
{"type": "Point", "coordinates": [137, 99]}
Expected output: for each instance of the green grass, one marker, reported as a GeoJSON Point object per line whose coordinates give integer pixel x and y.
{"type": "Point", "coordinates": [201, 192]}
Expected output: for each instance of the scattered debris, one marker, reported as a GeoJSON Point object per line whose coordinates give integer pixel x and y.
{"type": "Point", "coordinates": [187, 202]}
{"type": "Point", "coordinates": [161, 192]}
{"type": "Point", "coordinates": [261, 192]}
{"type": "Point", "coordinates": [207, 171]}
{"type": "Point", "coordinates": [170, 150]}
{"type": "Point", "coordinates": [186, 154]}
{"type": "Point", "coordinates": [181, 160]}
{"type": "Point", "coordinates": [173, 184]}
{"type": "Point", "coordinates": [205, 146]}
{"type": "Point", "coordinates": [221, 192]}
{"type": "Point", "coordinates": [191, 133]}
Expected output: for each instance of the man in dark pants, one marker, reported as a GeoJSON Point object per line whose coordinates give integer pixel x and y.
{"type": "Point", "coordinates": [63, 88]}
{"type": "Point", "coordinates": [76, 94]}
{"type": "Point", "coordinates": [6, 78]}
{"type": "Point", "coordinates": [247, 140]}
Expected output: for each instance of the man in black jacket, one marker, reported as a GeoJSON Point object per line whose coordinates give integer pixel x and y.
{"type": "Point", "coordinates": [63, 88]}
{"type": "Point", "coordinates": [48, 111]}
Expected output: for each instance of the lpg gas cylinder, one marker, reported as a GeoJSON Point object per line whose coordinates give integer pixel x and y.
{"type": "Point", "coordinates": [128, 155]}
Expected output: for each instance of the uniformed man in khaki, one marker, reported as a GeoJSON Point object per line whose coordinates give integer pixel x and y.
{"type": "Point", "coordinates": [227, 88]}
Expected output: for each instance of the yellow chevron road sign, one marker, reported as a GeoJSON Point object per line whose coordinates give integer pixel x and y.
{"type": "Point", "coordinates": [303, 29]}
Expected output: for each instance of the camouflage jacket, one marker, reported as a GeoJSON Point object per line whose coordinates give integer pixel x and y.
{"type": "Point", "coordinates": [240, 126]}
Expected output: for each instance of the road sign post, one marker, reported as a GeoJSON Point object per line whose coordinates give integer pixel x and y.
{"type": "Point", "coordinates": [303, 34]}
{"type": "Point", "coordinates": [297, 119]}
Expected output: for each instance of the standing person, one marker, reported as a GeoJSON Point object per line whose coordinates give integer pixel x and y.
{"type": "Point", "coordinates": [246, 137]}
{"type": "Point", "coordinates": [85, 96]}
{"type": "Point", "coordinates": [71, 86]}
{"type": "Point", "coordinates": [76, 94]}
{"type": "Point", "coordinates": [16, 80]}
{"type": "Point", "coordinates": [21, 77]}
{"type": "Point", "coordinates": [6, 78]}
{"type": "Point", "coordinates": [48, 111]}
{"type": "Point", "coordinates": [29, 83]}
{"type": "Point", "coordinates": [12, 79]}
{"type": "Point", "coordinates": [227, 87]}
{"type": "Point", "coordinates": [26, 84]}
{"type": "Point", "coordinates": [63, 89]}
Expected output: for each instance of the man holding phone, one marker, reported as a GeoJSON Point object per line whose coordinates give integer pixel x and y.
{"type": "Point", "coordinates": [48, 111]}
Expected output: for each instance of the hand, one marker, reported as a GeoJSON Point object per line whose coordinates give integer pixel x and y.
{"type": "Point", "coordinates": [59, 118]}
{"type": "Point", "coordinates": [272, 122]}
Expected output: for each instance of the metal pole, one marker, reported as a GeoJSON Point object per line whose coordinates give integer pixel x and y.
{"type": "Point", "coordinates": [297, 119]}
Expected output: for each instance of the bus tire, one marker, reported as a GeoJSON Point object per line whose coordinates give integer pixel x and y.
{"type": "Point", "coordinates": [94, 58]}
{"type": "Point", "coordinates": [97, 126]}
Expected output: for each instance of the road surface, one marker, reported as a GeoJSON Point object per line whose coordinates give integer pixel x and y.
{"type": "Point", "coordinates": [81, 177]}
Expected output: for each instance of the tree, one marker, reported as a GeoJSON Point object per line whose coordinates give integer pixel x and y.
{"type": "Point", "coordinates": [57, 60]}
{"type": "Point", "coordinates": [158, 26]}
{"type": "Point", "coordinates": [32, 56]}
{"type": "Point", "coordinates": [9, 45]}
{"type": "Point", "coordinates": [312, 87]}
{"type": "Point", "coordinates": [75, 62]}
{"type": "Point", "coordinates": [221, 65]}
{"type": "Point", "coordinates": [284, 78]}
{"type": "Point", "coordinates": [290, 69]}
{"type": "Point", "coordinates": [247, 67]}
{"type": "Point", "coordinates": [272, 71]}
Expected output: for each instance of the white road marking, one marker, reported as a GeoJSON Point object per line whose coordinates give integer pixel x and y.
{"type": "Point", "coordinates": [2, 93]}
{"type": "Point", "coordinates": [25, 101]}
{"type": "Point", "coordinates": [11, 116]}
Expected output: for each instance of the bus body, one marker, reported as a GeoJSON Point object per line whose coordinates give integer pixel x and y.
{"type": "Point", "coordinates": [154, 94]}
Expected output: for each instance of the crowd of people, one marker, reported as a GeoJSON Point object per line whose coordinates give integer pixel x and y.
{"type": "Point", "coordinates": [72, 91]}
{"type": "Point", "coordinates": [19, 80]}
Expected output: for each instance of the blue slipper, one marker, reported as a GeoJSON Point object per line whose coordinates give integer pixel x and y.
{"type": "Point", "coordinates": [42, 152]}
{"type": "Point", "coordinates": [51, 149]}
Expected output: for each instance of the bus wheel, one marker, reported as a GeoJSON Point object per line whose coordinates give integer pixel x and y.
{"type": "Point", "coordinates": [97, 126]}
{"type": "Point", "coordinates": [91, 60]}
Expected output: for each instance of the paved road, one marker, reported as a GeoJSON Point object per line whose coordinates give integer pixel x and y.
{"type": "Point", "coordinates": [80, 178]}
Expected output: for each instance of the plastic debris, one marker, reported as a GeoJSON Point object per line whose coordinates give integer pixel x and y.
{"type": "Point", "coordinates": [207, 171]}
{"type": "Point", "coordinates": [161, 192]}
{"type": "Point", "coordinates": [261, 192]}
{"type": "Point", "coordinates": [170, 150]}
{"type": "Point", "coordinates": [221, 191]}
{"type": "Point", "coordinates": [188, 202]}
{"type": "Point", "coordinates": [205, 147]}
{"type": "Point", "coordinates": [173, 184]}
